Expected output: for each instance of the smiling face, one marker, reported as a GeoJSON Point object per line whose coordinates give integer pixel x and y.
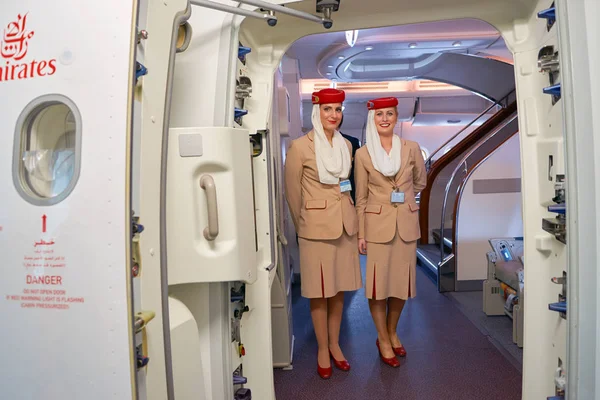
{"type": "Point", "coordinates": [385, 120]}
{"type": "Point", "coordinates": [331, 115]}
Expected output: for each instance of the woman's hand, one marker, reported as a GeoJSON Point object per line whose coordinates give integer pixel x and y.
{"type": "Point", "coordinates": [362, 246]}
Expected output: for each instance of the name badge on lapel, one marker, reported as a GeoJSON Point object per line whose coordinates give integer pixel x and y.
{"type": "Point", "coordinates": [397, 197]}
{"type": "Point", "coordinates": [345, 186]}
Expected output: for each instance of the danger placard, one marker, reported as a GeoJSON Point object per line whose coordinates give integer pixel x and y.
{"type": "Point", "coordinates": [43, 279]}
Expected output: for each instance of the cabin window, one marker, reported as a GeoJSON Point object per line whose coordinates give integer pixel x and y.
{"type": "Point", "coordinates": [47, 153]}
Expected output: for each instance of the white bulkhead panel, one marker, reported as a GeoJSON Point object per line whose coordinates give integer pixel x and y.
{"type": "Point", "coordinates": [210, 206]}
{"type": "Point", "coordinates": [66, 88]}
{"type": "Point", "coordinates": [188, 380]}
{"type": "Point", "coordinates": [157, 53]}
{"type": "Point", "coordinates": [544, 257]}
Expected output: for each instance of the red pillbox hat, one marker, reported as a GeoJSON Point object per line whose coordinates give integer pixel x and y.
{"type": "Point", "coordinates": [383, 102]}
{"type": "Point", "coordinates": [328, 96]}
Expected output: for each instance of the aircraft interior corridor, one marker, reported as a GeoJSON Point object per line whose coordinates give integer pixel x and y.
{"type": "Point", "coordinates": [463, 330]}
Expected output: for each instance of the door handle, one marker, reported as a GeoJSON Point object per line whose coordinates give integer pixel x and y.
{"type": "Point", "coordinates": [208, 184]}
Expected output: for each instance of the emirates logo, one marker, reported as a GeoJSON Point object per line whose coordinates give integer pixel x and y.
{"type": "Point", "coordinates": [16, 38]}
{"type": "Point", "coordinates": [14, 47]}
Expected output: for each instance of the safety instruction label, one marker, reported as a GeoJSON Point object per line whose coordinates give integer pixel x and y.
{"type": "Point", "coordinates": [43, 280]}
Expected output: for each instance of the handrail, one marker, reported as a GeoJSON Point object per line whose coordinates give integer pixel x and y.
{"type": "Point", "coordinates": [459, 165]}
{"type": "Point", "coordinates": [326, 21]}
{"type": "Point", "coordinates": [505, 98]}
{"type": "Point", "coordinates": [461, 188]}
{"type": "Point", "coordinates": [428, 161]}
{"type": "Point", "coordinates": [441, 163]}
{"type": "Point", "coordinates": [271, 19]}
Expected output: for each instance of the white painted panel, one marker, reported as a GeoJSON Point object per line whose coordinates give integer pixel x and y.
{"type": "Point", "coordinates": [485, 216]}
{"type": "Point", "coordinates": [226, 159]}
{"type": "Point", "coordinates": [593, 42]}
{"type": "Point", "coordinates": [539, 123]}
{"type": "Point", "coordinates": [158, 51]}
{"type": "Point", "coordinates": [579, 62]}
{"type": "Point", "coordinates": [188, 372]}
{"type": "Point", "coordinates": [201, 72]}
{"type": "Point", "coordinates": [83, 348]}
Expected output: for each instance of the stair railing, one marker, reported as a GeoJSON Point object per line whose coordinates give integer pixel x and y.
{"type": "Point", "coordinates": [429, 159]}
{"type": "Point", "coordinates": [463, 164]}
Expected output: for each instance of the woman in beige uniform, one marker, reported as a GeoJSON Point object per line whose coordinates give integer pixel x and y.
{"type": "Point", "coordinates": [389, 172]}
{"type": "Point", "coordinates": [317, 190]}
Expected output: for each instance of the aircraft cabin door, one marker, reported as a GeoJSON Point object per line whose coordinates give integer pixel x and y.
{"type": "Point", "coordinates": [66, 87]}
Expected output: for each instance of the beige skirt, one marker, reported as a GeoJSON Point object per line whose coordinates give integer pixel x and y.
{"type": "Point", "coordinates": [391, 269]}
{"type": "Point", "coordinates": [328, 267]}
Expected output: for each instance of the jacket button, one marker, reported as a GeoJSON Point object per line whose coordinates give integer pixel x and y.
{"type": "Point", "coordinates": [395, 205]}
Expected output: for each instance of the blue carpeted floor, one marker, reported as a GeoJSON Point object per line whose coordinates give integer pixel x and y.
{"type": "Point", "coordinates": [448, 356]}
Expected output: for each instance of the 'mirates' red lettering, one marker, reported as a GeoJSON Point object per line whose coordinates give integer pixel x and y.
{"type": "Point", "coordinates": [33, 69]}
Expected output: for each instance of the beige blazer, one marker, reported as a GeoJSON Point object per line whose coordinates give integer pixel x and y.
{"type": "Point", "coordinates": [378, 218]}
{"type": "Point", "coordinates": [319, 211]}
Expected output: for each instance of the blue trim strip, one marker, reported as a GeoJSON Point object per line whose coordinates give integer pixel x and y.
{"type": "Point", "coordinates": [558, 307]}
{"type": "Point", "coordinates": [553, 90]}
{"type": "Point", "coordinates": [549, 14]}
{"type": "Point", "coordinates": [558, 208]}
{"type": "Point", "coordinates": [240, 112]}
{"type": "Point", "coordinates": [242, 51]}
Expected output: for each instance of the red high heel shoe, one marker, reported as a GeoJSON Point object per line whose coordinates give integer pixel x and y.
{"type": "Point", "coordinates": [343, 365]}
{"type": "Point", "coordinates": [399, 351]}
{"type": "Point", "coordinates": [324, 373]}
{"type": "Point", "coordinates": [392, 362]}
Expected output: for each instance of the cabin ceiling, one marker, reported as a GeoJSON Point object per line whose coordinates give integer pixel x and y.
{"type": "Point", "coordinates": [330, 56]}
{"type": "Point", "coordinates": [323, 60]}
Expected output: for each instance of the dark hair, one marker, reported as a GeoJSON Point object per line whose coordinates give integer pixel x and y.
{"type": "Point", "coordinates": [341, 121]}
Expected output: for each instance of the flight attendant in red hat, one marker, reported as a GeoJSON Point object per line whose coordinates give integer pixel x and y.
{"type": "Point", "coordinates": [389, 172]}
{"type": "Point", "coordinates": [317, 190]}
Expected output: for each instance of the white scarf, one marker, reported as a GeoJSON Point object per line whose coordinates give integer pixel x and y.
{"type": "Point", "coordinates": [388, 165]}
{"type": "Point", "coordinates": [333, 162]}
